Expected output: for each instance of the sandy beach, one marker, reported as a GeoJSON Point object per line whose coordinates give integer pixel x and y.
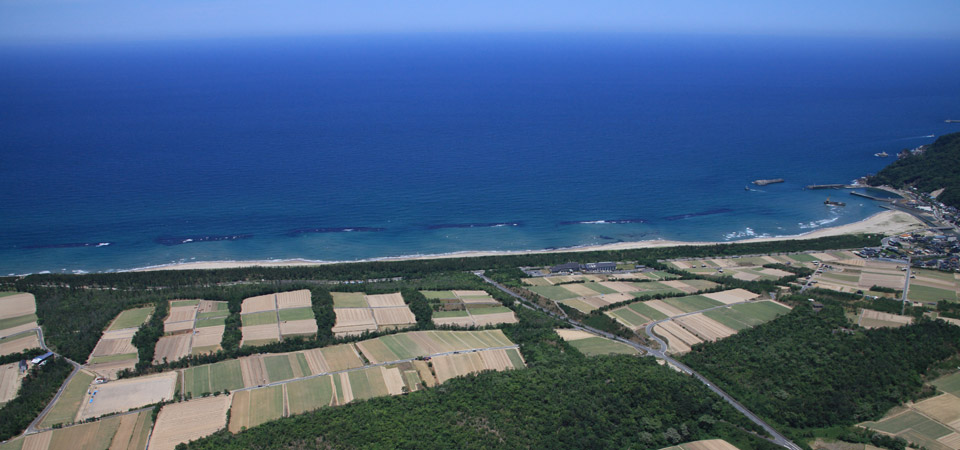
{"type": "Point", "coordinates": [885, 222]}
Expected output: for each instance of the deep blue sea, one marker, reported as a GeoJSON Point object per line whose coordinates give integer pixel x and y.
{"type": "Point", "coordinates": [344, 148]}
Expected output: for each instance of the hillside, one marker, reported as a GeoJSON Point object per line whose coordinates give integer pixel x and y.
{"type": "Point", "coordinates": [937, 167]}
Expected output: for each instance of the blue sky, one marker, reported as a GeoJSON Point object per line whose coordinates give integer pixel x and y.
{"type": "Point", "coordinates": [27, 21]}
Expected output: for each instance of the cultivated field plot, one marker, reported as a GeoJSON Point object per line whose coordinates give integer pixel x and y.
{"type": "Point", "coordinates": [66, 407]}
{"type": "Point", "coordinates": [357, 312]}
{"type": "Point", "coordinates": [468, 308]}
{"type": "Point", "coordinates": [269, 318]}
{"type": "Point", "coordinates": [851, 275]}
{"type": "Point", "coordinates": [425, 343]}
{"type": "Point", "coordinates": [19, 343]}
{"type": "Point", "coordinates": [123, 395]}
{"type": "Point", "coordinates": [636, 315]}
{"type": "Point", "coordinates": [949, 384]}
{"type": "Point", "coordinates": [216, 377]}
{"type": "Point", "coordinates": [172, 348]}
{"type": "Point", "coordinates": [933, 286]}
{"type": "Point", "coordinates": [875, 319]}
{"type": "Point", "coordinates": [125, 432]}
{"type": "Point", "coordinates": [114, 352]}
{"type": "Point", "coordinates": [932, 423]}
{"type": "Point", "coordinates": [681, 333]}
{"type": "Point", "coordinates": [748, 268]}
{"type": "Point", "coordinates": [186, 421]}
{"type": "Point", "coordinates": [455, 365]}
{"type": "Point", "coordinates": [17, 313]}
{"type": "Point", "coordinates": [587, 300]}
{"type": "Point", "coordinates": [131, 318]}
{"type": "Point", "coordinates": [254, 407]}
{"type": "Point", "coordinates": [591, 345]}
{"type": "Point", "coordinates": [710, 444]}
{"type": "Point", "coordinates": [10, 378]}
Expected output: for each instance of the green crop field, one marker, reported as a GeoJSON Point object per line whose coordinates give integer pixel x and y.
{"type": "Point", "coordinates": [438, 295]}
{"type": "Point", "coordinates": [65, 410]}
{"type": "Point", "coordinates": [761, 312]}
{"type": "Point", "coordinates": [574, 303]}
{"type": "Point", "coordinates": [296, 314]}
{"type": "Point", "coordinates": [943, 276]}
{"type": "Point", "coordinates": [729, 317]}
{"type": "Point", "coordinates": [949, 383]}
{"type": "Point", "coordinates": [490, 310]}
{"type": "Point", "coordinates": [691, 303]}
{"type": "Point", "coordinates": [5, 294]}
{"type": "Point", "coordinates": [515, 357]}
{"type": "Point", "coordinates": [111, 358]}
{"type": "Point", "coordinates": [177, 303]}
{"type": "Point", "coordinates": [654, 288]}
{"type": "Point", "coordinates": [310, 394]}
{"type": "Point", "coordinates": [265, 404]}
{"type": "Point", "coordinates": [601, 346]}
{"type": "Point", "coordinates": [646, 310]}
{"type": "Point", "coordinates": [278, 367]}
{"type": "Point", "coordinates": [840, 277]}
{"type": "Point", "coordinates": [442, 314]}
{"type": "Point", "coordinates": [260, 318]}
{"type": "Point", "coordinates": [802, 257]}
{"type": "Point", "coordinates": [368, 383]}
{"type": "Point", "coordinates": [553, 292]}
{"type": "Point", "coordinates": [411, 379]}
{"type": "Point", "coordinates": [211, 322]}
{"type": "Point", "coordinates": [629, 317]}
{"type": "Point", "coordinates": [204, 349]}
{"type": "Point", "coordinates": [131, 318]}
{"type": "Point", "coordinates": [216, 377]}
{"type": "Point", "coordinates": [196, 380]}
{"type": "Point", "coordinates": [349, 300]}
{"type": "Point", "coordinates": [700, 284]}
{"type": "Point", "coordinates": [258, 342]}
{"type": "Point", "coordinates": [599, 288]}
{"type": "Point", "coordinates": [921, 293]}
{"type": "Point", "coordinates": [94, 435]}
{"type": "Point", "coordinates": [17, 321]}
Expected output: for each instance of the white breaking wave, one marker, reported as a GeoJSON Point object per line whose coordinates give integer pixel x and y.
{"type": "Point", "coordinates": [745, 233]}
{"type": "Point", "coordinates": [817, 223]}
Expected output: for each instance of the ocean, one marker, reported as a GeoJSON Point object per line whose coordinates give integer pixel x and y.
{"type": "Point", "coordinates": [337, 148]}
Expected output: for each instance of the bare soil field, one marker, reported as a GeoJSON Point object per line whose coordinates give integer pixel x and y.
{"type": "Point", "coordinates": [462, 321]}
{"type": "Point", "coordinates": [18, 329]}
{"type": "Point", "coordinates": [122, 395]}
{"type": "Point", "coordinates": [400, 315]}
{"type": "Point", "coordinates": [580, 289]}
{"type": "Point", "coordinates": [704, 327]}
{"type": "Point", "coordinates": [569, 334]}
{"type": "Point", "coordinates": [254, 407]}
{"type": "Point", "coordinates": [258, 304]}
{"type": "Point", "coordinates": [115, 343]}
{"type": "Point", "coordinates": [745, 276]}
{"type": "Point", "coordinates": [876, 319]}
{"type": "Point", "coordinates": [206, 306]}
{"type": "Point", "coordinates": [18, 344]}
{"type": "Point", "coordinates": [678, 339]}
{"type": "Point", "coordinates": [177, 327]}
{"type": "Point", "coordinates": [260, 332]}
{"type": "Point", "coordinates": [172, 348]}
{"type": "Point", "coordinates": [619, 286]}
{"type": "Point", "coordinates": [678, 284]}
{"type": "Point", "coordinates": [776, 272]}
{"type": "Point", "coordinates": [942, 408]}
{"type": "Point", "coordinates": [870, 279]}
{"type": "Point", "coordinates": [294, 299]}
{"type": "Point", "coordinates": [10, 379]}
{"type": "Point", "coordinates": [731, 296]}
{"type": "Point", "coordinates": [110, 369]}
{"type": "Point", "coordinates": [253, 370]}
{"type": "Point", "coordinates": [207, 336]}
{"type": "Point", "coordinates": [186, 421]}
{"type": "Point", "coordinates": [467, 293]}
{"type": "Point", "coordinates": [393, 379]}
{"type": "Point", "coordinates": [332, 359]}
{"type": "Point", "coordinates": [384, 300]}
{"type": "Point", "coordinates": [298, 327]}
{"type": "Point", "coordinates": [181, 313]}
{"type": "Point", "coordinates": [17, 305]}
{"type": "Point", "coordinates": [452, 366]}
{"type": "Point", "coordinates": [494, 319]}
{"type": "Point", "coordinates": [353, 321]}
{"type": "Point", "coordinates": [664, 308]}
{"type": "Point", "coordinates": [711, 444]}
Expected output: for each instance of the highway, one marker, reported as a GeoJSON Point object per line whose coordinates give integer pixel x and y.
{"type": "Point", "coordinates": [776, 437]}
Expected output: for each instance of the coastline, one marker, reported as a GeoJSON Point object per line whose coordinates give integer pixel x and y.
{"type": "Point", "coordinates": [886, 222]}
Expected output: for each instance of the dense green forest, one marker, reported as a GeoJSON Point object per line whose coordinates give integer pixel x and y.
{"type": "Point", "coordinates": [937, 167]}
{"type": "Point", "coordinates": [36, 390]}
{"type": "Point", "coordinates": [562, 400]}
{"type": "Point", "coordinates": [807, 369]}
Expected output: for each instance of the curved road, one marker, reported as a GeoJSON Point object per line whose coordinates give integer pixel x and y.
{"type": "Point", "coordinates": [777, 438]}
{"type": "Point", "coordinates": [32, 428]}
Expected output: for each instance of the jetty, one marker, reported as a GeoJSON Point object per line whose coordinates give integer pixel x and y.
{"type": "Point", "coordinates": [858, 194]}
{"type": "Point", "coordinates": [828, 186]}
{"type": "Point", "coordinates": [766, 182]}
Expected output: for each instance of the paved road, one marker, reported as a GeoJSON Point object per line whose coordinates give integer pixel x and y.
{"type": "Point", "coordinates": [777, 438]}
{"type": "Point", "coordinates": [811, 280]}
{"type": "Point", "coordinates": [32, 428]}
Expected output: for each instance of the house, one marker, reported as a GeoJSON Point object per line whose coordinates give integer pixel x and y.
{"type": "Point", "coordinates": [599, 267]}
{"type": "Point", "coordinates": [568, 267]}
{"type": "Point", "coordinates": [42, 358]}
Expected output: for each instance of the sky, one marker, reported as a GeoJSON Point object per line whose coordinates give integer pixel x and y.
{"type": "Point", "coordinates": [40, 21]}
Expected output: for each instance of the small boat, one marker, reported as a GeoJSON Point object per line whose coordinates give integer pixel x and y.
{"type": "Point", "coordinates": [830, 203]}
{"type": "Point", "coordinates": [746, 188]}
{"type": "Point", "coordinates": [881, 155]}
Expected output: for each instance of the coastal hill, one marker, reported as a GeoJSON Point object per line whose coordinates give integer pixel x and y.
{"type": "Point", "coordinates": [936, 167]}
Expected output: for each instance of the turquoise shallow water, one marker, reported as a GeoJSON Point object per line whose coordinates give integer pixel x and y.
{"type": "Point", "coordinates": [365, 147]}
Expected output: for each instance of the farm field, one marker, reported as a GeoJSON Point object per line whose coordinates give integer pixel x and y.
{"type": "Point", "coordinates": [10, 378]}
{"type": "Point", "coordinates": [65, 409]}
{"type": "Point", "coordinates": [551, 280]}
{"type": "Point", "coordinates": [17, 313]}
{"type": "Point", "coordinates": [932, 286]}
{"type": "Point", "coordinates": [357, 312]}
{"type": "Point", "coordinates": [424, 343]}
{"type": "Point", "coordinates": [114, 352]}
{"type": "Point", "coordinates": [124, 432]}
{"type": "Point", "coordinates": [254, 407]}
{"type": "Point", "coordinates": [588, 296]}
{"type": "Point", "coordinates": [710, 444]}
{"type": "Point", "coordinates": [751, 268]}
{"type": "Point", "coordinates": [468, 308]}
{"type": "Point", "coordinates": [681, 333]}
{"type": "Point", "coordinates": [591, 345]}
{"type": "Point", "coordinates": [933, 423]}
{"type": "Point", "coordinates": [636, 315]}
{"type": "Point", "coordinates": [131, 318]}
{"type": "Point", "coordinates": [869, 318]}
{"type": "Point", "coordinates": [851, 275]}
{"type": "Point", "coordinates": [268, 318]}
{"type": "Point", "coordinates": [216, 377]}
{"type": "Point", "coordinates": [19, 343]}
{"type": "Point", "coordinates": [123, 395]}
{"type": "Point", "coordinates": [189, 420]}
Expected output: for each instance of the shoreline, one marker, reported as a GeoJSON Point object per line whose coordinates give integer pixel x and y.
{"type": "Point", "coordinates": [885, 222]}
